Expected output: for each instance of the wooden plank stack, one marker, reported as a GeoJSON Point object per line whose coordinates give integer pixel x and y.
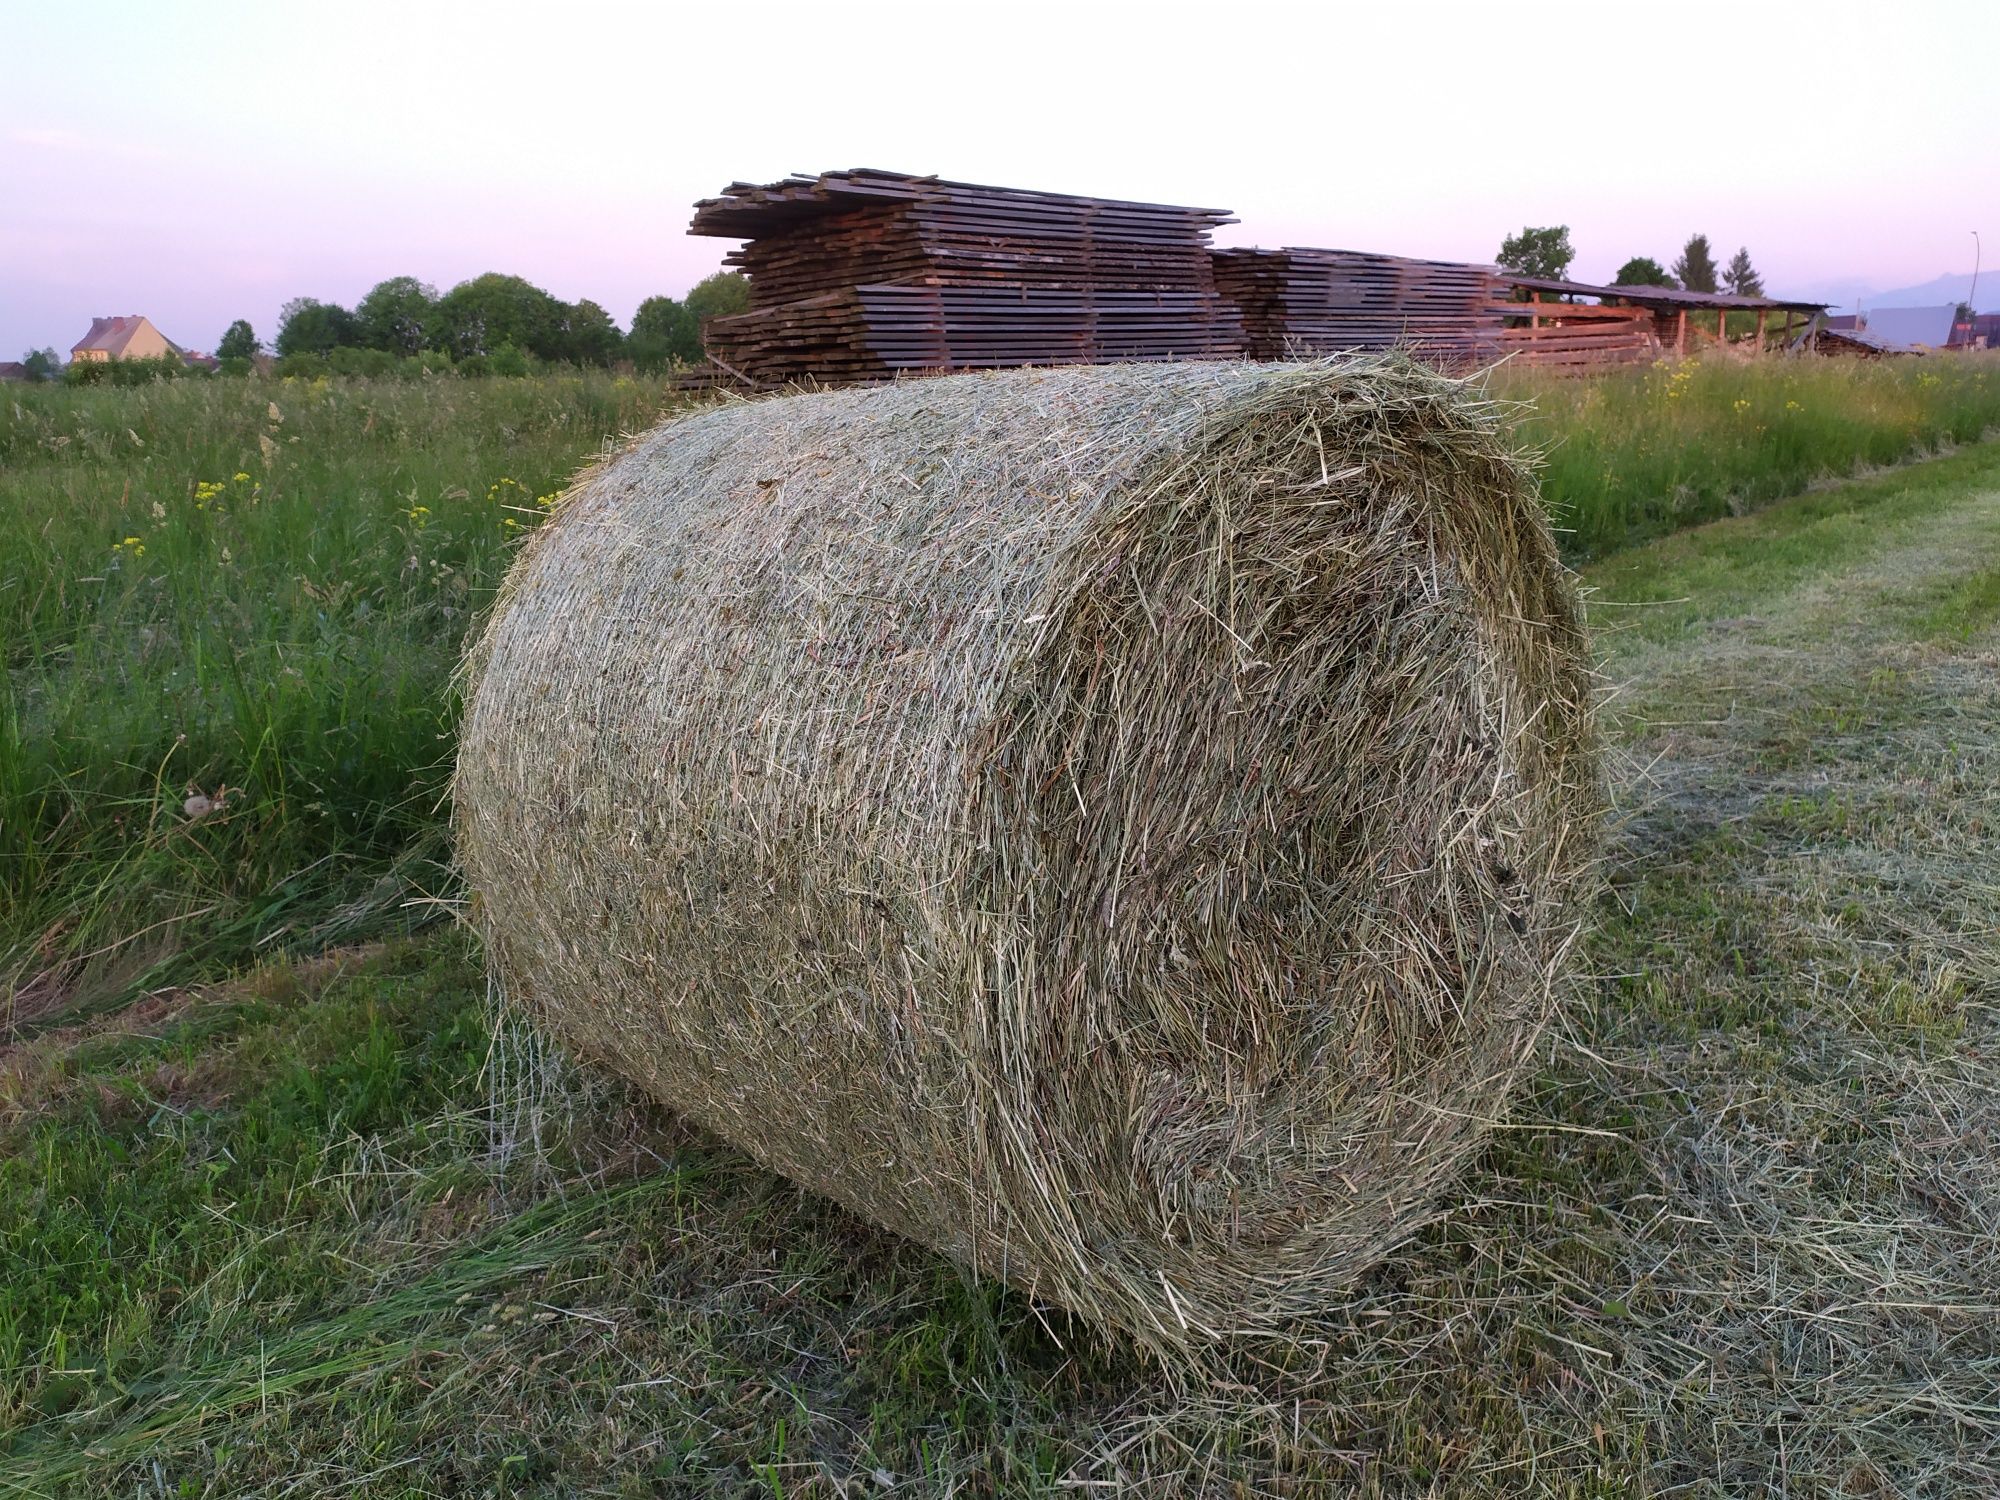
{"type": "Point", "coordinates": [1299, 301]}
{"type": "Point", "coordinates": [1578, 335]}
{"type": "Point", "coordinates": [860, 275]}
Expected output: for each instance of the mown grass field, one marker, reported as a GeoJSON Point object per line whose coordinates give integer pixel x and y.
{"type": "Point", "coordinates": [284, 1211]}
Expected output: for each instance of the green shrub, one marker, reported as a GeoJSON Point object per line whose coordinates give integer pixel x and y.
{"type": "Point", "coordinates": [367, 362]}
{"type": "Point", "coordinates": [127, 372]}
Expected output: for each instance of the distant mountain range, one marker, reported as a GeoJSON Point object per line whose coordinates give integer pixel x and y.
{"type": "Point", "coordinates": [1933, 293]}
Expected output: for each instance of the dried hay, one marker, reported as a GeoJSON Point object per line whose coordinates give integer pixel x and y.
{"type": "Point", "coordinates": [1122, 826]}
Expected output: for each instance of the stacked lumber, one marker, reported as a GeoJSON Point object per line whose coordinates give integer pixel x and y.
{"type": "Point", "coordinates": [860, 275]}
{"type": "Point", "coordinates": [1578, 334]}
{"type": "Point", "coordinates": [1298, 301]}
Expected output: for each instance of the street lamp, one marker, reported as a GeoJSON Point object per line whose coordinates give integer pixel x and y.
{"type": "Point", "coordinates": [1973, 296]}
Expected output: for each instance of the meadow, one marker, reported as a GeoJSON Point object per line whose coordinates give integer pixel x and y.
{"type": "Point", "coordinates": [252, 593]}
{"type": "Point", "coordinates": [1647, 452]}
{"type": "Point", "coordinates": [285, 1209]}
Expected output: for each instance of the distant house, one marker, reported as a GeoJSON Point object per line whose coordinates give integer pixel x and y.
{"type": "Point", "coordinates": [132, 337]}
{"type": "Point", "coordinates": [1982, 332]}
{"type": "Point", "coordinates": [12, 369]}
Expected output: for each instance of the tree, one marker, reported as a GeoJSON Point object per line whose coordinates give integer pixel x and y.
{"type": "Point", "coordinates": [1643, 270]}
{"type": "Point", "coordinates": [592, 338]}
{"type": "Point", "coordinates": [481, 315]}
{"type": "Point", "coordinates": [1696, 268]}
{"type": "Point", "coordinates": [1541, 253]}
{"type": "Point", "coordinates": [42, 364]}
{"type": "Point", "coordinates": [396, 315]}
{"type": "Point", "coordinates": [663, 332]}
{"type": "Point", "coordinates": [239, 341]}
{"type": "Point", "coordinates": [718, 296]}
{"type": "Point", "coordinates": [308, 326]}
{"type": "Point", "coordinates": [1741, 277]}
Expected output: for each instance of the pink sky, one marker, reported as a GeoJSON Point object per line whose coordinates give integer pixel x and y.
{"type": "Point", "coordinates": [201, 162]}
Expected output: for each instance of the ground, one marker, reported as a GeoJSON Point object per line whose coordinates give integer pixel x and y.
{"type": "Point", "coordinates": [326, 1229]}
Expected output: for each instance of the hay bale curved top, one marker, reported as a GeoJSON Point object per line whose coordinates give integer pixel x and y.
{"type": "Point", "coordinates": [1119, 825]}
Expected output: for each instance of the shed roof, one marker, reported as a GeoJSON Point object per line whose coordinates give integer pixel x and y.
{"type": "Point", "coordinates": [1661, 296]}
{"type": "Point", "coordinates": [1862, 338]}
{"type": "Point", "coordinates": [1907, 327]}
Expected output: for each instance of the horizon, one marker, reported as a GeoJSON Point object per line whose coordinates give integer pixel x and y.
{"type": "Point", "coordinates": [256, 157]}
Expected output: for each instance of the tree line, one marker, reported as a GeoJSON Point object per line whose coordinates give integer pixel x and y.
{"type": "Point", "coordinates": [492, 324]}
{"type": "Point", "coordinates": [1545, 254]}
{"type": "Point", "coordinates": [495, 318]}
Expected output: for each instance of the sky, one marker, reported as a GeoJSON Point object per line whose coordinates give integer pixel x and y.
{"type": "Point", "coordinates": [201, 161]}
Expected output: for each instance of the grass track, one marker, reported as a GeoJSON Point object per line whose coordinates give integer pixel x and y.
{"type": "Point", "coordinates": [1742, 1235]}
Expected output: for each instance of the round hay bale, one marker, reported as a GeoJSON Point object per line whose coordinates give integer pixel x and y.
{"type": "Point", "coordinates": [1122, 826]}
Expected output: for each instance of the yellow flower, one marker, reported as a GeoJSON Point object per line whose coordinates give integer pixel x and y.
{"type": "Point", "coordinates": [241, 477]}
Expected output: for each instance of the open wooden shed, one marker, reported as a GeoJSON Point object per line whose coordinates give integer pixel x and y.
{"type": "Point", "coordinates": [1623, 323]}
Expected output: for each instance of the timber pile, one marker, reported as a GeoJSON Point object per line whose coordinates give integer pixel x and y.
{"type": "Point", "coordinates": [1578, 334]}
{"type": "Point", "coordinates": [1305, 301]}
{"type": "Point", "coordinates": [856, 276]}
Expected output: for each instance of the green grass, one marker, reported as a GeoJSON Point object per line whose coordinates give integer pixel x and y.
{"type": "Point", "coordinates": [312, 1225]}
{"type": "Point", "coordinates": [255, 592]}
{"type": "Point", "coordinates": [1637, 454]}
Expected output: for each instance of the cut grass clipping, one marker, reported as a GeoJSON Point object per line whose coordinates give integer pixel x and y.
{"type": "Point", "coordinates": [1121, 826]}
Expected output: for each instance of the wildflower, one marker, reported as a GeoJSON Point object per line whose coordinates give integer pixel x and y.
{"type": "Point", "coordinates": [241, 477]}
{"type": "Point", "coordinates": [418, 514]}
{"type": "Point", "coordinates": [1741, 406]}
{"type": "Point", "coordinates": [1793, 406]}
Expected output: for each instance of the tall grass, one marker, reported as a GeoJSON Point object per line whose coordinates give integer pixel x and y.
{"type": "Point", "coordinates": [1635, 454]}
{"type": "Point", "coordinates": [253, 593]}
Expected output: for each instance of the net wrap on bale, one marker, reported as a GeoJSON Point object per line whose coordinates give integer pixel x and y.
{"type": "Point", "coordinates": [1121, 826]}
